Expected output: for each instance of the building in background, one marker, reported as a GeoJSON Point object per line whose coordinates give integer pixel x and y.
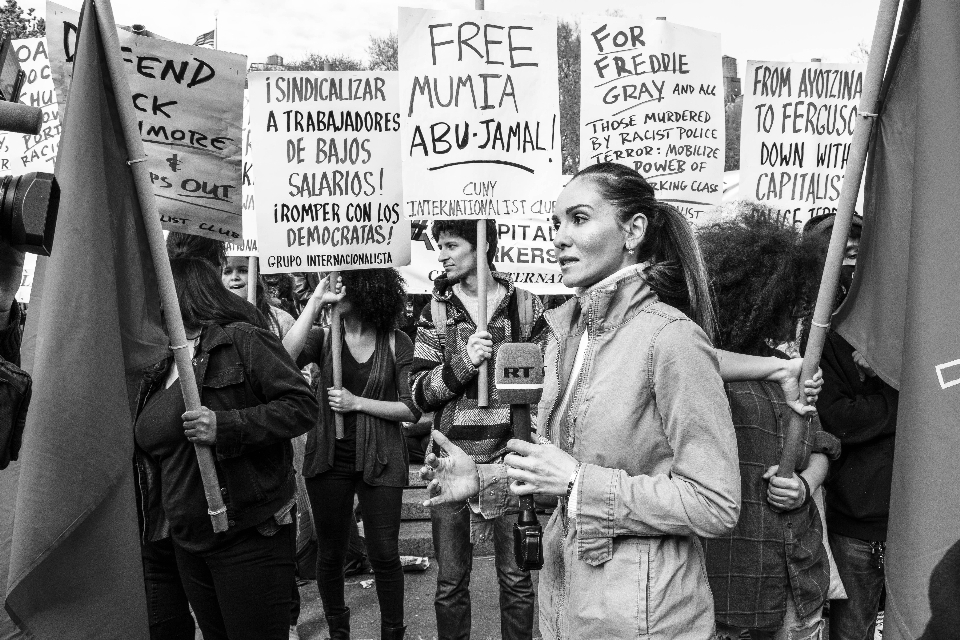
{"type": "Point", "coordinates": [731, 82]}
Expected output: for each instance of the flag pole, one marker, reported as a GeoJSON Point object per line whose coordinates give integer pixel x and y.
{"type": "Point", "coordinates": [216, 36]}
{"type": "Point", "coordinates": [158, 251]}
{"type": "Point", "coordinates": [483, 275]}
{"type": "Point", "coordinates": [859, 146]}
{"type": "Point", "coordinates": [336, 335]}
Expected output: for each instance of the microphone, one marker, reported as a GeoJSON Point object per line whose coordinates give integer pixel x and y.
{"type": "Point", "coordinates": [519, 382]}
{"type": "Point", "coordinates": [20, 118]}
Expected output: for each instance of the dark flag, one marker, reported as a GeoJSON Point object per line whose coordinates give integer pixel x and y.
{"type": "Point", "coordinates": [901, 313]}
{"type": "Point", "coordinates": [74, 568]}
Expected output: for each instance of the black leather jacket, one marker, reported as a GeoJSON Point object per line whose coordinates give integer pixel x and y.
{"type": "Point", "coordinates": [15, 390]}
{"type": "Point", "coordinates": [261, 401]}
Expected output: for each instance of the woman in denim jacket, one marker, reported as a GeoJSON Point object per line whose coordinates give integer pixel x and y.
{"type": "Point", "coordinates": [640, 445]}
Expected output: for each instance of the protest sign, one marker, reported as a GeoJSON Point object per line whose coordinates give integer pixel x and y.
{"type": "Point", "coordinates": [21, 153]}
{"type": "Point", "coordinates": [652, 99]}
{"type": "Point", "coordinates": [480, 113]}
{"type": "Point", "coordinates": [247, 246]}
{"type": "Point", "coordinates": [328, 178]}
{"type": "Point", "coordinates": [798, 121]}
{"type": "Point", "coordinates": [189, 100]}
{"type": "Point", "coordinates": [525, 252]}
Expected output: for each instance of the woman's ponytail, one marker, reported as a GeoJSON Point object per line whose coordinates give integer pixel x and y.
{"type": "Point", "coordinates": [677, 273]}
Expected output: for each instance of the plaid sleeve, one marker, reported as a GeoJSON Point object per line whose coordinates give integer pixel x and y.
{"type": "Point", "coordinates": [434, 381]}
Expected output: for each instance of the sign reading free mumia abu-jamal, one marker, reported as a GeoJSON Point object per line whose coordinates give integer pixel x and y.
{"type": "Point", "coordinates": [328, 170]}
{"type": "Point", "coordinates": [480, 113]}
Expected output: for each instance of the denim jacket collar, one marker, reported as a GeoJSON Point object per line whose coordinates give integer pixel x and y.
{"type": "Point", "coordinates": [604, 306]}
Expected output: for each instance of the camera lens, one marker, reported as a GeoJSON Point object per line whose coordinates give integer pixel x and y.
{"type": "Point", "coordinates": [28, 211]}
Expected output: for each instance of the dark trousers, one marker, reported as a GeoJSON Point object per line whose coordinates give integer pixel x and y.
{"type": "Point", "coordinates": [331, 496]}
{"type": "Point", "coordinates": [451, 542]}
{"type": "Point", "coordinates": [243, 591]}
{"type": "Point", "coordinates": [855, 617]}
{"type": "Point", "coordinates": [168, 611]}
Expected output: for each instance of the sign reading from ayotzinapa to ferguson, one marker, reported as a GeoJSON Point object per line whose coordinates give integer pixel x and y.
{"type": "Point", "coordinates": [652, 99]}
{"type": "Point", "coordinates": [798, 121]}
{"type": "Point", "coordinates": [328, 170]}
{"type": "Point", "coordinates": [480, 113]}
{"type": "Point", "coordinates": [188, 102]}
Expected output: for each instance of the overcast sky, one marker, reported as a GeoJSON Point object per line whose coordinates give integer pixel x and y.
{"type": "Point", "coordinates": [774, 30]}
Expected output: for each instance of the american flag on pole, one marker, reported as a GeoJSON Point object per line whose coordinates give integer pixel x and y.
{"type": "Point", "coordinates": [205, 39]}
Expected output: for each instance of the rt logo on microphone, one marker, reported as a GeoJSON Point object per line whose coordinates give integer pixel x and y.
{"type": "Point", "coordinates": [517, 372]}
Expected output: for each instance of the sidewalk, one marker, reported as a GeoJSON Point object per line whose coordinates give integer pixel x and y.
{"type": "Point", "coordinates": [418, 606]}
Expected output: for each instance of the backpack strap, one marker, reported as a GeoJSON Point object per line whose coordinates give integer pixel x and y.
{"type": "Point", "coordinates": [525, 313]}
{"type": "Point", "coordinates": [438, 312]}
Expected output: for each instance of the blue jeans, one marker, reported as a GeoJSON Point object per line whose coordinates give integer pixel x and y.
{"type": "Point", "coordinates": [451, 543]}
{"type": "Point", "coordinates": [855, 617]}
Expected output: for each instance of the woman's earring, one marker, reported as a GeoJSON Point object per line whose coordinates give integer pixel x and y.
{"type": "Point", "coordinates": [630, 251]}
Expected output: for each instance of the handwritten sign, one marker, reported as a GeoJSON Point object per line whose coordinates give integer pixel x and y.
{"type": "Point", "coordinates": [479, 115]}
{"type": "Point", "coordinates": [189, 102]}
{"type": "Point", "coordinates": [247, 246]}
{"type": "Point", "coordinates": [652, 99]}
{"type": "Point", "coordinates": [525, 252]}
{"type": "Point", "coordinates": [328, 178]}
{"type": "Point", "coordinates": [798, 121]}
{"type": "Point", "coordinates": [20, 153]}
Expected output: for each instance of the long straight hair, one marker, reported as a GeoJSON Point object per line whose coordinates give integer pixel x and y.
{"type": "Point", "coordinates": [203, 298]}
{"type": "Point", "coordinates": [677, 273]}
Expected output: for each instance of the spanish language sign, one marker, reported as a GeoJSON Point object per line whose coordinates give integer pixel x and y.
{"type": "Point", "coordinates": [479, 113]}
{"type": "Point", "coordinates": [525, 252]}
{"type": "Point", "coordinates": [189, 101]}
{"type": "Point", "coordinates": [798, 121]}
{"type": "Point", "coordinates": [247, 246]}
{"type": "Point", "coordinates": [652, 99]}
{"type": "Point", "coordinates": [20, 153]}
{"type": "Point", "coordinates": [328, 170]}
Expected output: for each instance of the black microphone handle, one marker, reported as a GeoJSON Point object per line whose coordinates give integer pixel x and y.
{"type": "Point", "coordinates": [522, 431]}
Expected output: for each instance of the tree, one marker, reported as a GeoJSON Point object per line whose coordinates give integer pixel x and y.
{"type": "Point", "coordinates": [315, 62]}
{"type": "Point", "coordinates": [15, 24]}
{"type": "Point", "coordinates": [568, 64]}
{"type": "Point", "coordinates": [733, 116]}
{"type": "Point", "coordinates": [861, 53]}
{"type": "Point", "coordinates": [384, 53]}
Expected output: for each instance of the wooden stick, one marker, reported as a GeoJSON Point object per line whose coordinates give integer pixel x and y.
{"type": "Point", "coordinates": [158, 251]}
{"type": "Point", "coordinates": [483, 274]}
{"type": "Point", "coordinates": [253, 277]}
{"type": "Point", "coordinates": [873, 80]}
{"type": "Point", "coordinates": [336, 338]}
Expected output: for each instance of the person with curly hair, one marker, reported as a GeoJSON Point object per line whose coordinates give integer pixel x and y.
{"type": "Point", "coordinates": [770, 575]}
{"type": "Point", "coordinates": [370, 461]}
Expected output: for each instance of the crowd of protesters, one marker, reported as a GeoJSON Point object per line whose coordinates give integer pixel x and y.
{"type": "Point", "coordinates": [667, 392]}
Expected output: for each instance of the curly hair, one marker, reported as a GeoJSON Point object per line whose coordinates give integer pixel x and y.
{"type": "Point", "coordinates": [378, 295]}
{"type": "Point", "coordinates": [760, 269]}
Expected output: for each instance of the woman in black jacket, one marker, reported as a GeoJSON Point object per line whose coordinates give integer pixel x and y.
{"type": "Point", "coordinates": [254, 400]}
{"type": "Point", "coordinates": [370, 461]}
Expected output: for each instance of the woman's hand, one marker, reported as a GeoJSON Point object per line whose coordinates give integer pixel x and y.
{"type": "Point", "coordinates": [538, 468]}
{"type": "Point", "coordinates": [480, 347]}
{"type": "Point", "coordinates": [451, 479]}
{"type": "Point", "coordinates": [784, 494]}
{"type": "Point", "coordinates": [342, 401]}
{"type": "Point", "coordinates": [200, 426]}
{"type": "Point", "coordinates": [788, 377]}
{"type": "Point", "coordinates": [864, 367]}
{"type": "Point", "coordinates": [324, 294]}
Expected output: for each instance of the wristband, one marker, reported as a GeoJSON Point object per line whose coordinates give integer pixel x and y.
{"type": "Point", "coordinates": [573, 480]}
{"type": "Point", "coordinates": [806, 486]}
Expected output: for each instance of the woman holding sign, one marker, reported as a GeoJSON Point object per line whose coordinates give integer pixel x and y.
{"type": "Point", "coordinates": [370, 461]}
{"type": "Point", "coordinates": [641, 447]}
{"type": "Point", "coordinates": [254, 401]}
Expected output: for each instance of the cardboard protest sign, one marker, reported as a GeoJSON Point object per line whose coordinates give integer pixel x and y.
{"type": "Point", "coordinates": [246, 246]}
{"type": "Point", "coordinates": [328, 174]}
{"type": "Point", "coordinates": [20, 153]}
{"type": "Point", "coordinates": [525, 251]}
{"type": "Point", "coordinates": [479, 115]}
{"type": "Point", "coordinates": [798, 121]}
{"type": "Point", "coordinates": [652, 99]}
{"type": "Point", "coordinates": [189, 100]}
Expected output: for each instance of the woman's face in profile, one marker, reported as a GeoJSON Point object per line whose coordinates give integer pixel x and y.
{"type": "Point", "coordinates": [589, 237]}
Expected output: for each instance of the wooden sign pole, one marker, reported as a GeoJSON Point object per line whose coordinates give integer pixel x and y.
{"type": "Point", "coordinates": [158, 251]}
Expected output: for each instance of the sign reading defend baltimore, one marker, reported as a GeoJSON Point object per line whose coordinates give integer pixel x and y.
{"type": "Point", "coordinates": [479, 113]}
{"type": "Point", "coordinates": [328, 170]}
